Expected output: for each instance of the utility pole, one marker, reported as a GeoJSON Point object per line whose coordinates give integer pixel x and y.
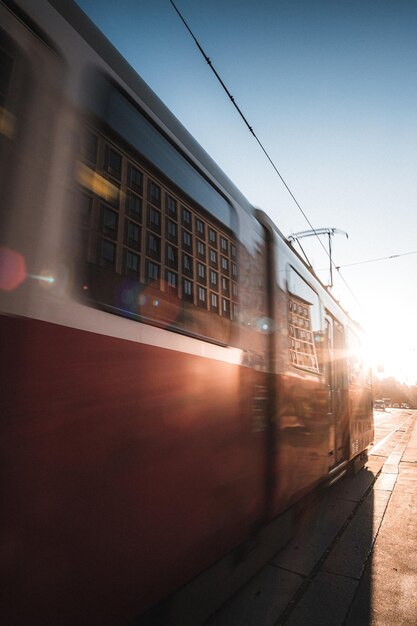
{"type": "Point", "coordinates": [330, 232]}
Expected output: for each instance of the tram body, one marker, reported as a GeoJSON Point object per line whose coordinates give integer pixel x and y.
{"type": "Point", "coordinates": [174, 377]}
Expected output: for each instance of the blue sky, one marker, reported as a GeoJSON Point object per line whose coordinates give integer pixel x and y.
{"type": "Point", "coordinates": [330, 89]}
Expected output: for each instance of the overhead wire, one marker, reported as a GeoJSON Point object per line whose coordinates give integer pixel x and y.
{"type": "Point", "coordinates": [381, 258]}
{"type": "Point", "coordinates": [250, 128]}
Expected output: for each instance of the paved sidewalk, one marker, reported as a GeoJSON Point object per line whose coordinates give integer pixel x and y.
{"type": "Point", "coordinates": [353, 559]}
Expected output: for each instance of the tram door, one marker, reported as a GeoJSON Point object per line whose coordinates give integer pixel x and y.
{"type": "Point", "coordinates": [336, 386]}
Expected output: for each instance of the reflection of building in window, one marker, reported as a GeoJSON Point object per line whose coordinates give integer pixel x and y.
{"type": "Point", "coordinates": [301, 338]}
{"type": "Point", "coordinates": [137, 227]}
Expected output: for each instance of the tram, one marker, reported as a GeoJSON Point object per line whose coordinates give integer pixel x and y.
{"type": "Point", "coordinates": [174, 377]}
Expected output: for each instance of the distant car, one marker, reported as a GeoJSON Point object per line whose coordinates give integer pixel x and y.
{"type": "Point", "coordinates": [404, 405]}
{"type": "Point", "coordinates": [379, 405]}
{"type": "Point", "coordinates": [395, 405]}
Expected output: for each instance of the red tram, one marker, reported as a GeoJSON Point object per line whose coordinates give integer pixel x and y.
{"type": "Point", "coordinates": [174, 377]}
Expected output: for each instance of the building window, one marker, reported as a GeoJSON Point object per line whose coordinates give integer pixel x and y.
{"type": "Point", "coordinates": [202, 297]}
{"type": "Point", "coordinates": [171, 231]}
{"type": "Point", "coordinates": [154, 193]}
{"type": "Point", "coordinates": [109, 222]}
{"type": "Point", "coordinates": [201, 273]}
{"type": "Point", "coordinates": [107, 253]}
{"type": "Point", "coordinates": [171, 254]}
{"type": "Point", "coordinates": [187, 265]}
{"type": "Point", "coordinates": [213, 257]}
{"type": "Point", "coordinates": [213, 279]}
{"type": "Point", "coordinates": [225, 308]}
{"type": "Point", "coordinates": [234, 270]}
{"type": "Point", "coordinates": [154, 219]}
{"type": "Point", "coordinates": [187, 241]}
{"type": "Point", "coordinates": [171, 282]}
{"type": "Point", "coordinates": [134, 206]}
{"type": "Point", "coordinates": [134, 179]}
{"type": "Point", "coordinates": [131, 264]}
{"type": "Point", "coordinates": [234, 290]}
{"type": "Point", "coordinates": [212, 237]}
{"type": "Point", "coordinates": [186, 217]}
{"type": "Point", "coordinates": [201, 250]}
{"type": "Point", "coordinates": [171, 206]}
{"type": "Point", "coordinates": [132, 234]}
{"type": "Point", "coordinates": [224, 245]}
{"type": "Point", "coordinates": [224, 264]}
{"type": "Point", "coordinates": [153, 247]}
{"type": "Point", "coordinates": [305, 328]}
{"type": "Point", "coordinates": [152, 272]}
{"type": "Point", "coordinates": [225, 286]}
{"type": "Point", "coordinates": [235, 311]}
{"type": "Point", "coordinates": [200, 228]}
{"type": "Point", "coordinates": [214, 302]}
{"type": "Point", "coordinates": [187, 290]}
{"type": "Point", "coordinates": [233, 251]}
{"type": "Point", "coordinates": [112, 162]}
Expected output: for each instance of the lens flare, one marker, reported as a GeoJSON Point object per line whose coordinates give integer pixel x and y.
{"type": "Point", "coordinates": [12, 269]}
{"type": "Point", "coordinates": [162, 307]}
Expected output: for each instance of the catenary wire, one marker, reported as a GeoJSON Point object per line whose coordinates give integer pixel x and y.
{"type": "Point", "coordinates": [250, 128]}
{"type": "Point", "coordinates": [381, 258]}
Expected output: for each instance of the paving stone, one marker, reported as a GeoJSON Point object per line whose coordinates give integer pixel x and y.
{"type": "Point", "coordinates": [316, 532]}
{"type": "Point", "coordinates": [385, 482]}
{"type": "Point", "coordinates": [261, 601]}
{"type": "Point", "coordinates": [387, 592]}
{"type": "Point", "coordinates": [350, 554]}
{"type": "Point", "coordinates": [355, 487]}
{"type": "Point", "coordinates": [325, 603]}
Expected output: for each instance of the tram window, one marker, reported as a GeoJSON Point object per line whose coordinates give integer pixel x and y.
{"type": "Point", "coordinates": [305, 329]}
{"type": "Point", "coordinates": [355, 359]}
{"type": "Point", "coordinates": [171, 264]}
{"type": "Point", "coordinates": [133, 126]}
